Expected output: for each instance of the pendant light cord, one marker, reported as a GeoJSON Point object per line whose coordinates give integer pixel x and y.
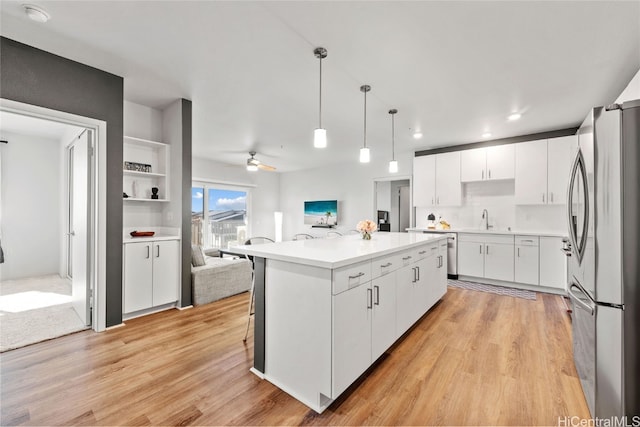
{"type": "Point", "coordinates": [320, 97]}
{"type": "Point", "coordinates": [365, 119]}
{"type": "Point", "coordinates": [393, 137]}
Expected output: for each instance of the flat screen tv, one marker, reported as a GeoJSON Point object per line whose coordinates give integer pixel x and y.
{"type": "Point", "coordinates": [321, 212]}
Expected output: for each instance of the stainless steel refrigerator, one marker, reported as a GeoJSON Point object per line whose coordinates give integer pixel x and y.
{"type": "Point", "coordinates": [603, 205]}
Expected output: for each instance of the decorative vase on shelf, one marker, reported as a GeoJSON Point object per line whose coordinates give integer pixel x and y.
{"type": "Point", "coordinates": [154, 190]}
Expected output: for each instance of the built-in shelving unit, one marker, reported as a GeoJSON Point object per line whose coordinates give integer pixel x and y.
{"type": "Point", "coordinates": [138, 184]}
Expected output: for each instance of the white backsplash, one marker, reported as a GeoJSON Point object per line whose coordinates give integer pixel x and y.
{"type": "Point", "coordinates": [498, 198]}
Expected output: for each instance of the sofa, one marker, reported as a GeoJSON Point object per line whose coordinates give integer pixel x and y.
{"type": "Point", "coordinates": [217, 277]}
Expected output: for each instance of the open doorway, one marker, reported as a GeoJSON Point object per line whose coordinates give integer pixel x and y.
{"type": "Point", "coordinates": [47, 177]}
{"type": "Point", "coordinates": [392, 201]}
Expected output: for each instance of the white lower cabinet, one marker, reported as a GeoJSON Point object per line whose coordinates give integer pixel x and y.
{"type": "Point", "coordinates": [486, 255]}
{"type": "Point", "coordinates": [527, 260]}
{"type": "Point", "coordinates": [553, 263]}
{"type": "Point", "coordinates": [151, 274]}
{"type": "Point", "coordinates": [370, 316]}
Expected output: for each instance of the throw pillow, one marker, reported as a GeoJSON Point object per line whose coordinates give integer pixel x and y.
{"type": "Point", "coordinates": [197, 256]}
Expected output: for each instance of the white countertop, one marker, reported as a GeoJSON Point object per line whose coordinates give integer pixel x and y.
{"type": "Point", "coordinates": [492, 231]}
{"type": "Point", "coordinates": [337, 251]}
{"type": "Point", "coordinates": [156, 237]}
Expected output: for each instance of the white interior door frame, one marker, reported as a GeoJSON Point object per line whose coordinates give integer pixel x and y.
{"type": "Point", "coordinates": [99, 186]}
{"type": "Point", "coordinates": [394, 178]}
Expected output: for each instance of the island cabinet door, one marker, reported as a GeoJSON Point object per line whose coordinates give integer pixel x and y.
{"type": "Point", "coordinates": [351, 356]}
{"type": "Point", "coordinates": [405, 284]}
{"type": "Point", "coordinates": [424, 276]}
{"type": "Point", "coordinates": [383, 326]}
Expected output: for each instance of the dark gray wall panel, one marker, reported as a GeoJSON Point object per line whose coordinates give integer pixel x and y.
{"type": "Point", "coordinates": [186, 203]}
{"type": "Point", "coordinates": [36, 77]}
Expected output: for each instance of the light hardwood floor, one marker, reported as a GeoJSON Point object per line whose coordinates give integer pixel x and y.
{"type": "Point", "coordinates": [474, 359]}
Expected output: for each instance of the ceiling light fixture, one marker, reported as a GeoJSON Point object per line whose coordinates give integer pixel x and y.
{"type": "Point", "coordinates": [393, 164]}
{"type": "Point", "coordinates": [514, 116]}
{"type": "Point", "coordinates": [320, 134]}
{"type": "Point", "coordinates": [486, 135]}
{"type": "Point", "coordinates": [365, 154]}
{"type": "Point", "coordinates": [417, 135]}
{"type": "Point", "coordinates": [36, 13]}
{"type": "Point", "coordinates": [252, 168]}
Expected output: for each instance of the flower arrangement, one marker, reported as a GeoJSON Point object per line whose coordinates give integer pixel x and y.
{"type": "Point", "coordinates": [366, 227]}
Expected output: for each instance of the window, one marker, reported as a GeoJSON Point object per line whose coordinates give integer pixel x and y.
{"type": "Point", "coordinates": [219, 215]}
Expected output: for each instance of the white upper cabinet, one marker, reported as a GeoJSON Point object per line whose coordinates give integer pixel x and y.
{"type": "Point", "coordinates": [531, 172]}
{"type": "Point", "coordinates": [489, 163]}
{"type": "Point", "coordinates": [448, 188]}
{"type": "Point", "coordinates": [424, 180]}
{"type": "Point", "coordinates": [559, 158]}
{"type": "Point", "coordinates": [542, 170]}
{"type": "Point", "coordinates": [501, 162]}
{"type": "Point", "coordinates": [436, 180]}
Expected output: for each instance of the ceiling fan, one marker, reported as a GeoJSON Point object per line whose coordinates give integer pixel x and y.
{"type": "Point", "coordinates": [254, 164]}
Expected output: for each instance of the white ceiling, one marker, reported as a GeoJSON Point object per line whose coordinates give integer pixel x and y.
{"type": "Point", "coordinates": [453, 69]}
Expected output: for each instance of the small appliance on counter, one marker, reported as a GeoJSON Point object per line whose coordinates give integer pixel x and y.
{"type": "Point", "coordinates": [431, 222]}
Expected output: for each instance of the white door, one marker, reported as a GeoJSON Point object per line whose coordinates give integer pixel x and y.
{"type": "Point", "coordinates": [404, 209]}
{"type": "Point", "coordinates": [559, 156]}
{"type": "Point", "coordinates": [498, 262]}
{"type": "Point", "coordinates": [473, 164]}
{"type": "Point", "coordinates": [80, 208]}
{"type": "Point", "coordinates": [501, 161]}
{"type": "Point", "coordinates": [166, 275]}
{"type": "Point", "coordinates": [531, 172]}
{"type": "Point", "coordinates": [448, 188]}
{"type": "Point", "coordinates": [471, 258]}
{"type": "Point", "coordinates": [424, 181]}
{"type": "Point", "coordinates": [383, 323]}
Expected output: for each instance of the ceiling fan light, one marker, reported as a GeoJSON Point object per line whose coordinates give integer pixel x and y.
{"type": "Point", "coordinates": [320, 138]}
{"type": "Point", "coordinates": [365, 155]}
{"type": "Point", "coordinates": [393, 166]}
{"type": "Point", "coordinates": [252, 168]}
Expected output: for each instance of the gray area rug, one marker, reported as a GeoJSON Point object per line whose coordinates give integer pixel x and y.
{"type": "Point", "coordinates": [500, 290]}
{"type": "Point", "coordinates": [34, 310]}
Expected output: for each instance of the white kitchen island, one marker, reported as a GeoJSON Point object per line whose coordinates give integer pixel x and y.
{"type": "Point", "coordinates": [326, 309]}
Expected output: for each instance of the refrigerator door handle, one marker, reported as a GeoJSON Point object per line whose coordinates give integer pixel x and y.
{"type": "Point", "coordinates": [578, 246]}
{"type": "Point", "coordinates": [589, 308]}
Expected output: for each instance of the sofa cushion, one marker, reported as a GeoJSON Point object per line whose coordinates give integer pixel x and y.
{"type": "Point", "coordinates": [197, 256]}
{"type": "Point", "coordinates": [220, 278]}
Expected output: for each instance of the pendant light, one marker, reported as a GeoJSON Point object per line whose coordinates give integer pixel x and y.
{"type": "Point", "coordinates": [320, 134]}
{"type": "Point", "coordinates": [365, 155]}
{"type": "Point", "coordinates": [393, 164]}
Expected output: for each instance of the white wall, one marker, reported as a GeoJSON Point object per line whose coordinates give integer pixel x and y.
{"type": "Point", "coordinates": [351, 183]}
{"type": "Point", "coordinates": [632, 91]}
{"type": "Point", "coordinates": [31, 206]}
{"type": "Point", "coordinates": [265, 191]}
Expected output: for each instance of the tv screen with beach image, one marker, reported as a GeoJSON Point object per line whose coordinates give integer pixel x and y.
{"type": "Point", "coordinates": [321, 212]}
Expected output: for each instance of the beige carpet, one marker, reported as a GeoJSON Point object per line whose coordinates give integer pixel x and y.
{"type": "Point", "coordinates": [36, 309]}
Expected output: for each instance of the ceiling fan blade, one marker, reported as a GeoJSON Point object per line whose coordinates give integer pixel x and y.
{"type": "Point", "coordinates": [266, 167]}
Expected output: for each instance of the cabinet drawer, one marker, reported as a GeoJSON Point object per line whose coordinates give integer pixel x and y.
{"type": "Point", "coordinates": [351, 276]}
{"type": "Point", "coordinates": [407, 257]}
{"type": "Point", "coordinates": [498, 238]}
{"type": "Point", "coordinates": [426, 251]}
{"type": "Point", "coordinates": [385, 265]}
{"type": "Point", "coordinates": [471, 237]}
{"type": "Point", "coordinates": [527, 240]}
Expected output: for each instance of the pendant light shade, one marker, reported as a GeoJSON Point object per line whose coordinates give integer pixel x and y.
{"type": "Point", "coordinates": [365, 155]}
{"type": "Point", "coordinates": [320, 134]}
{"type": "Point", "coordinates": [393, 163]}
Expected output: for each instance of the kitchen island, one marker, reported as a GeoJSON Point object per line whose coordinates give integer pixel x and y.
{"type": "Point", "coordinates": [326, 309]}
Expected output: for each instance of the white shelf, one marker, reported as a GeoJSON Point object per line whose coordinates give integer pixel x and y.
{"type": "Point", "coordinates": [144, 174]}
{"type": "Point", "coordinates": [144, 142]}
{"type": "Point", "coordinates": [138, 199]}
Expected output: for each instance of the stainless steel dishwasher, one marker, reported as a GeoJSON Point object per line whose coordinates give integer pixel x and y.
{"type": "Point", "coordinates": [452, 253]}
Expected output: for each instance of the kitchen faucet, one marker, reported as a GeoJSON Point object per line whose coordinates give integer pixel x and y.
{"type": "Point", "coordinates": [485, 217]}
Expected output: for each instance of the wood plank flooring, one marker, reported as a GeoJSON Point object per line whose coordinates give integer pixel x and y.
{"type": "Point", "coordinates": [474, 359]}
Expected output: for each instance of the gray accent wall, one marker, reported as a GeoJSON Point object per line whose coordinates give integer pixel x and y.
{"type": "Point", "coordinates": [33, 76]}
{"type": "Point", "coordinates": [186, 298]}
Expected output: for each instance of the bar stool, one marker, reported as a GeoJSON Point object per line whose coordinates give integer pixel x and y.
{"type": "Point", "coordinates": [253, 241]}
{"type": "Point", "coordinates": [303, 236]}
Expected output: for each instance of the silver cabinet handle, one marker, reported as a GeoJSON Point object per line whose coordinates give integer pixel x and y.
{"type": "Point", "coordinates": [386, 265]}
{"type": "Point", "coordinates": [542, 197]}
{"type": "Point", "coordinates": [489, 173]}
{"type": "Point", "coordinates": [415, 279]}
{"type": "Point", "coordinates": [369, 298]}
{"type": "Point", "coordinates": [438, 200]}
{"type": "Point", "coordinates": [422, 252]}
{"type": "Point", "coordinates": [407, 258]}
{"type": "Point", "coordinates": [487, 249]}
{"type": "Point", "coordinates": [157, 251]}
{"type": "Point", "coordinates": [518, 252]}
{"type": "Point", "coordinates": [480, 248]}
{"type": "Point", "coordinates": [551, 196]}
{"type": "Point", "coordinates": [483, 174]}
{"type": "Point", "coordinates": [432, 201]}
{"type": "Point", "coordinates": [357, 275]}
{"type": "Point", "coordinates": [418, 270]}
{"type": "Point", "coordinates": [433, 248]}
{"type": "Point", "coordinates": [527, 240]}
{"type": "Point", "coordinates": [148, 253]}
{"type": "Point", "coordinates": [377, 288]}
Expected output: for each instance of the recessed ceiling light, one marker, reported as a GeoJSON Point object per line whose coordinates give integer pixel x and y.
{"type": "Point", "coordinates": [417, 135]}
{"type": "Point", "coordinates": [514, 116]}
{"type": "Point", "coordinates": [36, 13]}
{"type": "Point", "coordinates": [486, 135]}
